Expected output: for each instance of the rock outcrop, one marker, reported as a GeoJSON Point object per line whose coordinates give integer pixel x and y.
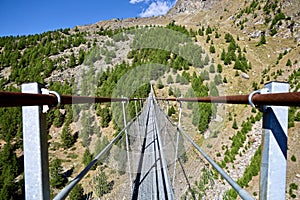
{"type": "Point", "coordinates": [183, 6]}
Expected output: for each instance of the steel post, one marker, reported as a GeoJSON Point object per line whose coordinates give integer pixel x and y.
{"type": "Point", "coordinates": [274, 152]}
{"type": "Point", "coordinates": [177, 143]}
{"type": "Point", "coordinates": [35, 144]}
{"type": "Point", "coordinates": [127, 143]}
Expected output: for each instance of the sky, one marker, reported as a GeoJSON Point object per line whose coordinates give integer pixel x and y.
{"type": "Point", "coordinates": [24, 17]}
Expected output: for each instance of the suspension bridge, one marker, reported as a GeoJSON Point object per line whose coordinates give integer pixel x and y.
{"type": "Point", "coordinates": [152, 146]}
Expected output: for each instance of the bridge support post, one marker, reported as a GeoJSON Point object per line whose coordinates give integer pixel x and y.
{"type": "Point", "coordinates": [177, 143]}
{"type": "Point", "coordinates": [35, 145]}
{"type": "Point", "coordinates": [127, 142]}
{"type": "Point", "coordinates": [274, 149]}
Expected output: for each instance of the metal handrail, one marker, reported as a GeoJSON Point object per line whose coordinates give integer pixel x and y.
{"type": "Point", "coordinates": [273, 99]}
{"type": "Point", "coordinates": [12, 99]}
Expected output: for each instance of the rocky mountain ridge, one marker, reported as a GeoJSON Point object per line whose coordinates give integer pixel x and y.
{"type": "Point", "coordinates": [192, 6]}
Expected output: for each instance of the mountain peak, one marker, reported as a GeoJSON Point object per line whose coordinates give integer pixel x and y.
{"type": "Point", "coordinates": [190, 6]}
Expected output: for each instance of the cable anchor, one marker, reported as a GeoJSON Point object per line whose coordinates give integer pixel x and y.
{"type": "Point", "coordinates": [46, 91]}
{"type": "Point", "coordinates": [261, 108]}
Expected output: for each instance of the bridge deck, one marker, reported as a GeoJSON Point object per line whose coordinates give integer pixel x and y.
{"type": "Point", "coordinates": [150, 181]}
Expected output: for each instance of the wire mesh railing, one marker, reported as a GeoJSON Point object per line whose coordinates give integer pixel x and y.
{"type": "Point", "coordinates": [114, 155]}
{"type": "Point", "coordinates": [190, 182]}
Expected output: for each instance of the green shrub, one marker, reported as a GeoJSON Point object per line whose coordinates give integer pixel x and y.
{"type": "Point", "coordinates": [262, 40]}
{"type": "Point", "coordinates": [77, 193]}
{"type": "Point", "coordinates": [293, 186]}
{"type": "Point", "coordinates": [288, 63]}
{"type": "Point", "coordinates": [234, 125]}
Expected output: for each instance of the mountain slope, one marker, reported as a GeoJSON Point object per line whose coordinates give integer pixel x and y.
{"type": "Point", "coordinates": [241, 46]}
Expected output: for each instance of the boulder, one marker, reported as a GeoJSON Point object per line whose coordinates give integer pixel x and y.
{"type": "Point", "coordinates": [255, 34]}
{"type": "Point", "coordinates": [245, 76]}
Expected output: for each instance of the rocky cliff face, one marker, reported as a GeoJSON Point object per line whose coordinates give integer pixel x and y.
{"type": "Point", "coordinates": [191, 6]}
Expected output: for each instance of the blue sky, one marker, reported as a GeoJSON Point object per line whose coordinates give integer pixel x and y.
{"type": "Point", "coordinates": [23, 17]}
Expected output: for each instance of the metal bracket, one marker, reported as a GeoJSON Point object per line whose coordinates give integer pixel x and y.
{"type": "Point", "coordinates": [46, 91]}
{"type": "Point", "coordinates": [180, 104]}
{"type": "Point", "coordinates": [262, 91]}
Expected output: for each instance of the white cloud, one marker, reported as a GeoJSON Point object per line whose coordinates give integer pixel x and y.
{"type": "Point", "coordinates": [156, 8]}
{"type": "Point", "coordinates": [137, 1]}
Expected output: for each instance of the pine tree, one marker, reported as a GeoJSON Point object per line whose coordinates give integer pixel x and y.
{"type": "Point", "coordinates": [200, 32]}
{"type": "Point", "coordinates": [204, 75]}
{"type": "Point", "coordinates": [262, 40]}
{"type": "Point", "coordinates": [189, 94]}
{"type": "Point", "coordinates": [234, 125]}
{"type": "Point", "coordinates": [81, 57]}
{"type": "Point", "coordinates": [177, 92]}
{"type": "Point", "coordinates": [288, 63]}
{"type": "Point", "coordinates": [220, 69]}
{"type": "Point", "coordinates": [218, 79]}
{"type": "Point", "coordinates": [59, 119]}
{"type": "Point", "coordinates": [105, 115]}
{"type": "Point", "coordinates": [217, 35]}
{"type": "Point", "coordinates": [212, 68]}
{"type": "Point", "coordinates": [208, 30]}
{"type": "Point", "coordinates": [77, 193]}
{"type": "Point", "coordinates": [171, 111]}
{"type": "Point", "coordinates": [237, 65]}
{"type": "Point", "coordinates": [181, 150]}
{"type": "Point", "coordinates": [9, 169]}
{"type": "Point", "coordinates": [66, 138]}
{"type": "Point", "coordinates": [7, 185]}
{"type": "Point", "coordinates": [103, 187]}
{"type": "Point", "coordinates": [170, 80]}
{"type": "Point", "coordinates": [87, 157]}
{"type": "Point", "coordinates": [159, 84]}
{"type": "Point", "coordinates": [57, 179]}
{"type": "Point", "coordinates": [207, 39]}
{"type": "Point", "coordinates": [212, 49]}
{"type": "Point", "coordinates": [223, 55]}
{"type": "Point", "coordinates": [170, 92]}
{"type": "Point", "coordinates": [206, 60]}
{"type": "Point", "coordinates": [213, 90]}
{"type": "Point", "coordinates": [178, 78]}
{"type": "Point", "coordinates": [101, 144]}
{"type": "Point", "coordinates": [72, 62]}
{"type": "Point", "coordinates": [227, 60]}
{"type": "Point", "coordinates": [87, 128]}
